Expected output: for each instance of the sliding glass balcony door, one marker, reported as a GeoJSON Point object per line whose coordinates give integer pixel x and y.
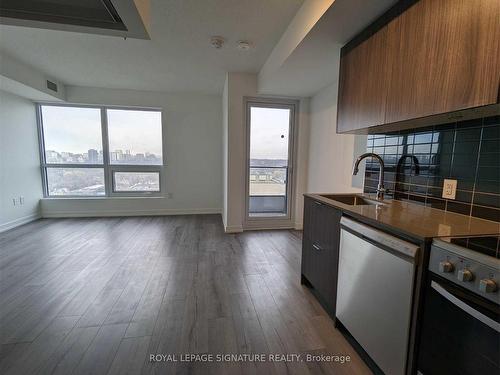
{"type": "Point", "coordinates": [269, 156]}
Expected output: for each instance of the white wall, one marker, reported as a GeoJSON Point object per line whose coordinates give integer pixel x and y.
{"type": "Point", "coordinates": [302, 160]}
{"type": "Point", "coordinates": [239, 85]}
{"type": "Point", "coordinates": [26, 81]}
{"type": "Point", "coordinates": [19, 161]}
{"type": "Point", "coordinates": [304, 20]}
{"type": "Point", "coordinates": [193, 170]}
{"type": "Point", "coordinates": [331, 155]}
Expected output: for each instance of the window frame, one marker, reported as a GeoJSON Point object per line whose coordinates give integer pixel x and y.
{"type": "Point", "coordinates": [109, 169]}
{"type": "Point", "coordinates": [275, 222]}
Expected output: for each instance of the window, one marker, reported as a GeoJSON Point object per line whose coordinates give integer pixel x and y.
{"type": "Point", "coordinates": [72, 135]}
{"type": "Point", "coordinates": [75, 181]}
{"type": "Point", "coordinates": [136, 181]}
{"type": "Point", "coordinates": [100, 151]}
{"type": "Point", "coordinates": [270, 143]}
{"type": "Point", "coordinates": [129, 144]}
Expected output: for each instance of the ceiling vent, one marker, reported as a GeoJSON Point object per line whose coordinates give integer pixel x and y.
{"type": "Point", "coordinates": [52, 86]}
{"type": "Point", "coordinates": [123, 18]}
{"type": "Point", "coordinates": [91, 13]}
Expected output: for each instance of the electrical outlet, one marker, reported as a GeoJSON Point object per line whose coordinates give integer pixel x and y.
{"type": "Point", "coordinates": [449, 189]}
{"type": "Point", "coordinates": [444, 230]}
{"type": "Point", "coordinates": [14, 201]}
{"type": "Point", "coordinates": [21, 200]}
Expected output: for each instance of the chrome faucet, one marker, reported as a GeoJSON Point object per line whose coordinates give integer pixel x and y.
{"type": "Point", "coordinates": [380, 188]}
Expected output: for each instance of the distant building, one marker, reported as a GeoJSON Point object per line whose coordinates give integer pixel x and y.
{"type": "Point", "coordinates": [93, 156]}
{"type": "Point", "coordinates": [52, 156]}
{"type": "Point", "coordinates": [66, 156]}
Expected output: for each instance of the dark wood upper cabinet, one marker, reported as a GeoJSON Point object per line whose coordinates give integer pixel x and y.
{"type": "Point", "coordinates": [363, 84]}
{"type": "Point", "coordinates": [434, 57]}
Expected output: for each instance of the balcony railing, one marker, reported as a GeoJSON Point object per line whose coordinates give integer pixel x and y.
{"type": "Point", "coordinates": [268, 190]}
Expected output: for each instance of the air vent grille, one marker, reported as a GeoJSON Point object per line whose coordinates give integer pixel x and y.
{"type": "Point", "coordinates": [51, 86]}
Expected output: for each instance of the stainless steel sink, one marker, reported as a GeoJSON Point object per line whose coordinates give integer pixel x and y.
{"type": "Point", "coordinates": [352, 200]}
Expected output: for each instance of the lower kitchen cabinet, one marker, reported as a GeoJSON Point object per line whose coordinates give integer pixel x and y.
{"type": "Point", "coordinates": [320, 251]}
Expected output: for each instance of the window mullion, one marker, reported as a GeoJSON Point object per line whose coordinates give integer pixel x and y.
{"type": "Point", "coordinates": [41, 148]}
{"type": "Point", "coordinates": [105, 153]}
{"type": "Point", "coordinates": [53, 165]}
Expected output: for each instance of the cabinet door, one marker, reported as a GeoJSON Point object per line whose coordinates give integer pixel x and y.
{"type": "Point", "coordinates": [307, 264]}
{"type": "Point", "coordinates": [318, 225]}
{"type": "Point", "coordinates": [363, 84]}
{"type": "Point", "coordinates": [314, 245]}
{"type": "Point", "coordinates": [326, 249]}
{"type": "Point", "coordinates": [306, 227]}
{"type": "Point", "coordinates": [320, 249]}
{"type": "Point", "coordinates": [445, 57]}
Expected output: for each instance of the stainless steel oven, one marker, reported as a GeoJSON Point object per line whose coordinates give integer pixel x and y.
{"type": "Point", "coordinates": [460, 331]}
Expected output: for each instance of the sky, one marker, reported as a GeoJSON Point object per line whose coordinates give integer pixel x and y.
{"type": "Point", "coordinates": [78, 130]}
{"type": "Point", "coordinates": [267, 127]}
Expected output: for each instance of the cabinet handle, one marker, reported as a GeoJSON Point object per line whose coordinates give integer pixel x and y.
{"type": "Point", "coordinates": [316, 247]}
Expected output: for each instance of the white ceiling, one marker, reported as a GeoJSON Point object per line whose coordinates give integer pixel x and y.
{"type": "Point", "coordinates": [314, 63]}
{"type": "Point", "coordinates": [177, 58]}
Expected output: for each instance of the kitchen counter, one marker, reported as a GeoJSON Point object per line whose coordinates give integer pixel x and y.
{"type": "Point", "coordinates": [412, 219]}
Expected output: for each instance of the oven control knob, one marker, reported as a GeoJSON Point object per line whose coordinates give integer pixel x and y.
{"type": "Point", "coordinates": [487, 286]}
{"type": "Point", "coordinates": [465, 275]}
{"type": "Point", "coordinates": [445, 267]}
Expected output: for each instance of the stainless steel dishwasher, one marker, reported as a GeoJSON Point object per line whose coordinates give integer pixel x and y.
{"type": "Point", "coordinates": [375, 292]}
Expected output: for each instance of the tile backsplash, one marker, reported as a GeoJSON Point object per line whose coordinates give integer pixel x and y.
{"type": "Point", "coordinates": [467, 151]}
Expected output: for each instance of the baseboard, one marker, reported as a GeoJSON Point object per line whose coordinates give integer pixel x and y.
{"type": "Point", "coordinates": [233, 229]}
{"type": "Point", "coordinates": [18, 222]}
{"type": "Point", "coordinates": [266, 224]}
{"type": "Point", "coordinates": [269, 227]}
{"type": "Point", "coordinates": [150, 212]}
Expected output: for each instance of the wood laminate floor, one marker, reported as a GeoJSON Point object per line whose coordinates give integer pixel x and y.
{"type": "Point", "coordinates": [99, 296]}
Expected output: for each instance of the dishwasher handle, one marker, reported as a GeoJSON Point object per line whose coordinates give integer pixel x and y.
{"type": "Point", "coordinates": [394, 244]}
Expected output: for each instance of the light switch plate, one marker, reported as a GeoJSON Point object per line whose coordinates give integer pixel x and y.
{"type": "Point", "coordinates": [449, 189]}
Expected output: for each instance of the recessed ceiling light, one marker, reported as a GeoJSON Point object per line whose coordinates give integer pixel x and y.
{"type": "Point", "coordinates": [243, 45]}
{"type": "Point", "coordinates": [217, 41]}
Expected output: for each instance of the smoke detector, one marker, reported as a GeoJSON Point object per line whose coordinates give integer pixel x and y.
{"type": "Point", "coordinates": [243, 45]}
{"type": "Point", "coordinates": [217, 41]}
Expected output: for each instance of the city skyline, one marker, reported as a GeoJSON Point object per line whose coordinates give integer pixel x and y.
{"type": "Point", "coordinates": [94, 156]}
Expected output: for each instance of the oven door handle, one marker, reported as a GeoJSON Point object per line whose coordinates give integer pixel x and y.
{"type": "Point", "coordinates": [466, 308]}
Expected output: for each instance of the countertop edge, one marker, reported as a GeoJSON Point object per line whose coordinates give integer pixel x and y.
{"type": "Point", "coordinates": [348, 209]}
